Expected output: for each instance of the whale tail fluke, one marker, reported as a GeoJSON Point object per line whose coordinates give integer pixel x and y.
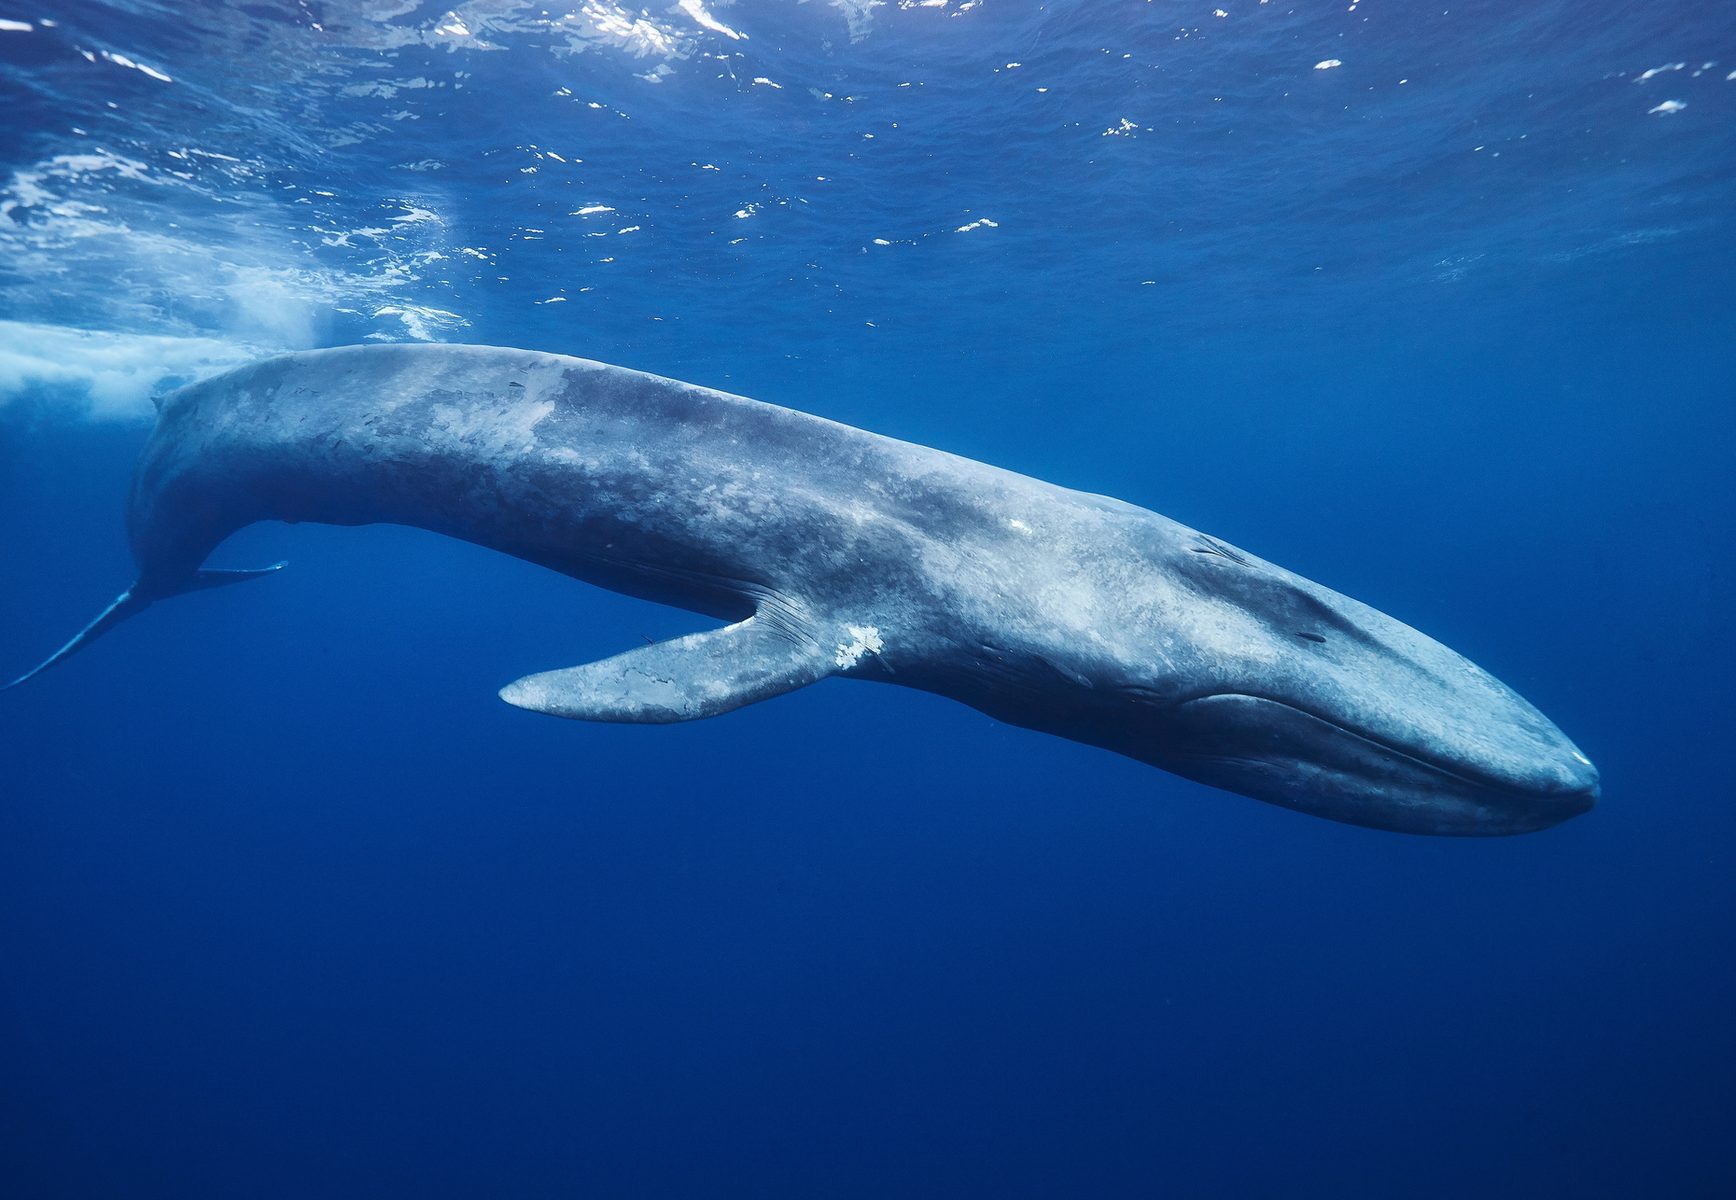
{"type": "Point", "coordinates": [124, 606]}
{"type": "Point", "coordinates": [131, 602]}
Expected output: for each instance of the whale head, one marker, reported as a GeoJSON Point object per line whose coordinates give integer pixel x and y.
{"type": "Point", "coordinates": [1272, 686]}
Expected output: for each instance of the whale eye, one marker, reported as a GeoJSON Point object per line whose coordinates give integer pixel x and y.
{"type": "Point", "coordinates": [1311, 637]}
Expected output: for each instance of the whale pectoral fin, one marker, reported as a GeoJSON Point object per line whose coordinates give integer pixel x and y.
{"type": "Point", "coordinates": [700, 675]}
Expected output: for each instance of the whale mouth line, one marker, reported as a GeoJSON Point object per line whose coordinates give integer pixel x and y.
{"type": "Point", "coordinates": [1476, 781]}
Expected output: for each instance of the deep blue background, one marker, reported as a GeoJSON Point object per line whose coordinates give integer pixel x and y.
{"type": "Point", "coordinates": [291, 904]}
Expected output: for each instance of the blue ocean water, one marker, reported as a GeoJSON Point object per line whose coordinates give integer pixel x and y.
{"type": "Point", "coordinates": [1433, 306]}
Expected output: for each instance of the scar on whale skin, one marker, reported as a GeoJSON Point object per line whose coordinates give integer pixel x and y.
{"type": "Point", "coordinates": [864, 639]}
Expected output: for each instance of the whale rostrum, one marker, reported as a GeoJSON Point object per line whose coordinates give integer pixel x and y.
{"type": "Point", "coordinates": [826, 550]}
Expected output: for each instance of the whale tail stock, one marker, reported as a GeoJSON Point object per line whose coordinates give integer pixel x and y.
{"type": "Point", "coordinates": [132, 602]}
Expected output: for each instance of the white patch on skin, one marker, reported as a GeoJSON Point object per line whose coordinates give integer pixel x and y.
{"type": "Point", "coordinates": [864, 639]}
{"type": "Point", "coordinates": [1018, 526]}
{"type": "Point", "coordinates": [500, 431]}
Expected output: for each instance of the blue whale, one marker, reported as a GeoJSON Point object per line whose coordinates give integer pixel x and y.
{"type": "Point", "coordinates": [826, 550]}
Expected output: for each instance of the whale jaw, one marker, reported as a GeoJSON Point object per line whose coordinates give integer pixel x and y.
{"type": "Point", "coordinates": [1274, 751]}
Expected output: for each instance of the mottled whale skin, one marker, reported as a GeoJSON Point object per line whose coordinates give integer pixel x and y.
{"type": "Point", "coordinates": [828, 550]}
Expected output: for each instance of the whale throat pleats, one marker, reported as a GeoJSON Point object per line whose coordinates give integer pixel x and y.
{"type": "Point", "coordinates": [700, 675]}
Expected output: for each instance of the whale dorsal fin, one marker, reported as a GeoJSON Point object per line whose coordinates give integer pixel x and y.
{"type": "Point", "coordinates": [700, 675]}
